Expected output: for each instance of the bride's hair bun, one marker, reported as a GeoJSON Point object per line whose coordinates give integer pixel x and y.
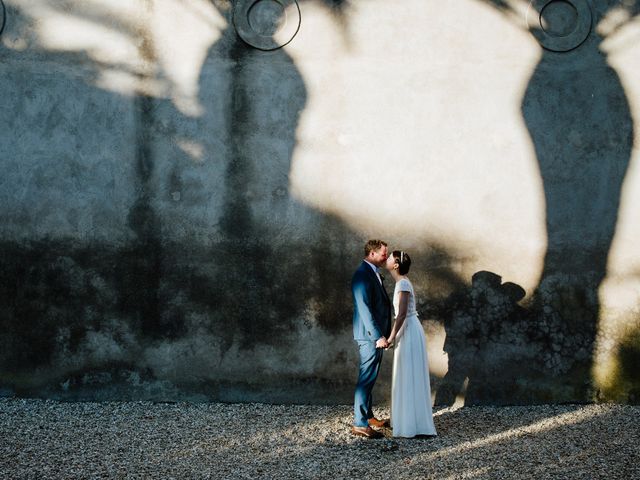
{"type": "Point", "coordinates": [403, 260]}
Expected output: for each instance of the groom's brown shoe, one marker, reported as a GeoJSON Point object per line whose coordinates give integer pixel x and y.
{"type": "Point", "coordinates": [367, 432]}
{"type": "Point", "coordinates": [374, 422]}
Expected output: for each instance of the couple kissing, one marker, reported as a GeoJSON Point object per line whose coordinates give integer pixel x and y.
{"type": "Point", "coordinates": [373, 331]}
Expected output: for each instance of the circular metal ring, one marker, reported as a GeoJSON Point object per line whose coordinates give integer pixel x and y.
{"type": "Point", "coordinates": [560, 43]}
{"type": "Point", "coordinates": [3, 20]}
{"type": "Point", "coordinates": [287, 28]}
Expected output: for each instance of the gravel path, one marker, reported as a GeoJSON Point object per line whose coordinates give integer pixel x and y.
{"type": "Point", "coordinates": [45, 439]}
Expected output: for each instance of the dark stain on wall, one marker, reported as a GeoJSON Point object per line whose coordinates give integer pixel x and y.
{"type": "Point", "coordinates": [49, 287]}
{"type": "Point", "coordinates": [140, 268]}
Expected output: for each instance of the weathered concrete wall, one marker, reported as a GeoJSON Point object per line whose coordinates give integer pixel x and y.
{"type": "Point", "coordinates": [181, 213]}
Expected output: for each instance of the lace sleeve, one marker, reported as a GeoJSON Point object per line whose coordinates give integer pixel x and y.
{"type": "Point", "coordinates": [404, 285]}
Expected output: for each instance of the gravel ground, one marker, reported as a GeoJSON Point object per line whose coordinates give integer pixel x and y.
{"type": "Point", "coordinates": [45, 439]}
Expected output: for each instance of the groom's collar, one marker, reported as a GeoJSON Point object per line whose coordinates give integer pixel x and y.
{"type": "Point", "coordinates": [375, 269]}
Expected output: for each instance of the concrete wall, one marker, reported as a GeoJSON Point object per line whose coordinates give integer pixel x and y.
{"type": "Point", "coordinates": [181, 213]}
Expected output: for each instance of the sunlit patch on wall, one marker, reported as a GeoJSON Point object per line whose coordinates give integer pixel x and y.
{"type": "Point", "coordinates": [194, 149]}
{"type": "Point", "coordinates": [158, 49]}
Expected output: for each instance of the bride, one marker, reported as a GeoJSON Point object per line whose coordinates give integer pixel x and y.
{"type": "Point", "coordinates": [411, 413]}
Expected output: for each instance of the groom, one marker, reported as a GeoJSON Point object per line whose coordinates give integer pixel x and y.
{"type": "Point", "coordinates": [371, 327]}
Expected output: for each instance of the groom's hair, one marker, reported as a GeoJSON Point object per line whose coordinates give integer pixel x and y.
{"type": "Point", "coordinates": [373, 246]}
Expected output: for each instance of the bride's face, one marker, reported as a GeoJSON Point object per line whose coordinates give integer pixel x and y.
{"type": "Point", "coordinates": [391, 262]}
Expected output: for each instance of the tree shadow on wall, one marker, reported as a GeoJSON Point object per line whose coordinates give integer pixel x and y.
{"type": "Point", "coordinates": [490, 335]}
{"type": "Point", "coordinates": [273, 260]}
{"type": "Point", "coordinates": [56, 289]}
{"type": "Point", "coordinates": [75, 308]}
{"type": "Point", "coordinates": [578, 117]}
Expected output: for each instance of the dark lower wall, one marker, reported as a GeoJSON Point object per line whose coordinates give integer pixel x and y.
{"type": "Point", "coordinates": [260, 322]}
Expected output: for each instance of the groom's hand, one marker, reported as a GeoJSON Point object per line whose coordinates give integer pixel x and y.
{"type": "Point", "coordinates": [382, 343]}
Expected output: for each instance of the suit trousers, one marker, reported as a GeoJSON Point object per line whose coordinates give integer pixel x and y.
{"type": "Point", "coordinates": [370, 360]}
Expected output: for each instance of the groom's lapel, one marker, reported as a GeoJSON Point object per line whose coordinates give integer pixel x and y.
{"type": "Point", "coordinates": [378, 282]}
{"type": "Point", "coordinates": [384, 290]}
{"type": "Point", "coordinates": [374, 278]}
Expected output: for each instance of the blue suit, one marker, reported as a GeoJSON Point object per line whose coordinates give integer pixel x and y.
{"type": "Point", "coordinates": [371, 321]}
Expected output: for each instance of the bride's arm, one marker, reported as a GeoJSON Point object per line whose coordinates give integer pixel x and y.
{"type": "Point", "coordinates": [400, 317]}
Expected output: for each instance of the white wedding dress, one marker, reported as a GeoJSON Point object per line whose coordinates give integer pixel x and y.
{"type": "Point", "coordinates": [411, 413]}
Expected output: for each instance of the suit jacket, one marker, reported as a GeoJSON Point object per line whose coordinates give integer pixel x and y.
{"type": "Point", "coordinates": [371, 305]}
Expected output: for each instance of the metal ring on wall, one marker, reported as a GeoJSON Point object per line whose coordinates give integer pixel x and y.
{"type": "Point", "coordinates": [245, 15]}
{"type": "Point", "coordinates": [3, 20]}
{"type": "Point", "coordinates": [560, 43]}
